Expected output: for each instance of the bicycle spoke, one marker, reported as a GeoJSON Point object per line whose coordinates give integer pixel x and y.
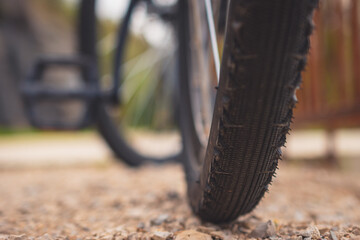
{"type": "Point", "coordinates": [213, 38]}
{"type": "Point", "coordinates": [145, 64]}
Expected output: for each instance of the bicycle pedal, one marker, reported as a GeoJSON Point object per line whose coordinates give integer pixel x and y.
{"type": "Point", "coordinates": [59, 93]}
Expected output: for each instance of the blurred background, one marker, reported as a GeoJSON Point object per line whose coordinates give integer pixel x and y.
{"type": "Point", "coordinates": [31, 29]}
{"type": "Point", "coordinates": [326, 129]}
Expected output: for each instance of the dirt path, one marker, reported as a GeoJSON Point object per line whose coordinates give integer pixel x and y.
{"type": "Point", "coordinates": [39, 150]}
{"type": "Point", "coordinates": [111, 201]}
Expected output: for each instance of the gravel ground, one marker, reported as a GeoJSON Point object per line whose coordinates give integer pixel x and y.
{"type": "Point", "coordinates": [111, 201]}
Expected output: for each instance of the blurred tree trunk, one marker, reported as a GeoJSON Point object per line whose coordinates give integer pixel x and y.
{"type": "Point", "coordinates": [27, 29]}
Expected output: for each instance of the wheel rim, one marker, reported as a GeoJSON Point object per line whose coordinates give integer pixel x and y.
{"type": "Point", "coordinates": [203, 77]}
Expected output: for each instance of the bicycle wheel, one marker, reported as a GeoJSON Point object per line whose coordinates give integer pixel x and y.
{"type": "Point", "coordinates": [142, 128]}
{"type": "Point", "coordinates": [230, 163]}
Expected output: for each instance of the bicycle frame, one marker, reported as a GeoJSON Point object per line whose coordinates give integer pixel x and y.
{"type": "Point", "coordinates": [87, 63]}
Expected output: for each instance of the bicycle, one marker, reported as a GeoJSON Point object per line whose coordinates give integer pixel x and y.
{"type": "Point", "coordinates": [234, 110]}
{"type": "Point", "coordinates": [103, 101]}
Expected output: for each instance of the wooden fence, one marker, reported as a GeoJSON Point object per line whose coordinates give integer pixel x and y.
{"type": "Point", "coordinates": [330, 93]}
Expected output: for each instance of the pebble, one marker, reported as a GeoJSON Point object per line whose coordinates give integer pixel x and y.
{"type": "Point", "coordinates": [159, 220]}
{"type": "Point", "coordinates": [315, 233]}
{"type": "Point", "coordinates": [133, 220]}
{"type": "Point", "coordinates": [207, 230]}
{"type": "Point", "coordinates": [141, 225]}
{"type": "Point", "coordinates": [311, 232]}
{"type": "Point", "coordinates": [14, 237]}
{"type": "Point", "coordinates": [356, 231]}
{"type": "Point", "coordinates": [250, 222]}
{"type": "Point", "coordinates": [161, 235]}
{"type": "Point", "coordinates": [219, 235]}
{"type": "Point", "coordinates": [192, 235]}
{"type": "Point", "coordinates": [264, 230]}
{"type": "Point", "coordinates": [335, 228]}
{"type": "Point", "coordinates": [173, 195]}
{"type": "Point", "coordinates": [46, 236]}
{"type": "Point", "coordinates": [324, 230]}
{"type": "Point", "coordinates": [333, 235]}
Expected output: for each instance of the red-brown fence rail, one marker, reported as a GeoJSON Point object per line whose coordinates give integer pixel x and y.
{"type": "Point", "coordinates": [330, 94]}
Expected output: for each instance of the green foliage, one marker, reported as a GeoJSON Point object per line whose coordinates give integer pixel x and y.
{"type": "Point", "coordinates": [145, 101]}
{"type": "Point", "coordinates": [4, 131]}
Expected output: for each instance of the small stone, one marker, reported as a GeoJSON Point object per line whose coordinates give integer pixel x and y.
{"type": "Point", "coordinates": [131, 229]}
{"type": "Point", "coordinates": [206, 230]}
{"type": "Point", "coordinates": [273, 238]}
{"type": "Point", "coordinates": [311, 232]}
{"type": "Point", "coordinates": [120, 229]}
{"type": "Point", "coordinates": [304, 233]}
{"type": "Point", "coordinates": [23, 210]}
{"type": "Point", "coordinates": [18, 237]}
{"type": "Point", "coordinates": [172, 195]}
{"type": "Point", "coordinates": [159, 220]}
{"type": "Point", "coordinates": [46, 236]}
{"type": "Point", "coordinates": [250, 222]}
{"type": "Point", "coordinates": [335, 228]}
{"type": "Point", "coordinates": [116, 204]}
{"type": "Point", "coordinates": [191, 223]}
{"type": "Point", "coordinates": [133, 236]}
{"type": "Point", "coordinates": [161, 235]}
{"type": "Point", "coordinates": [356, 231]}
{"type": "Point", "coordinates": [141, 226]}
{"type": "Point", "coordinates": [315, 233]}
{"type": "Point", "coordinates": [324, 230]}
{"type": "Point", "coordinates": [192, 235]}
{"type": "Point", "coordinates": [333, 235]}
{"type": "Point", "coordinates": [218, 235]}
{"type": "Point", "coordinates": [107, 237]}
{"type": "Point", "coordinates": [264, 230]}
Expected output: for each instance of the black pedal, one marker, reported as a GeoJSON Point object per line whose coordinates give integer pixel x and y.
{"type": "Point", "coordinates": [59, 93]}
